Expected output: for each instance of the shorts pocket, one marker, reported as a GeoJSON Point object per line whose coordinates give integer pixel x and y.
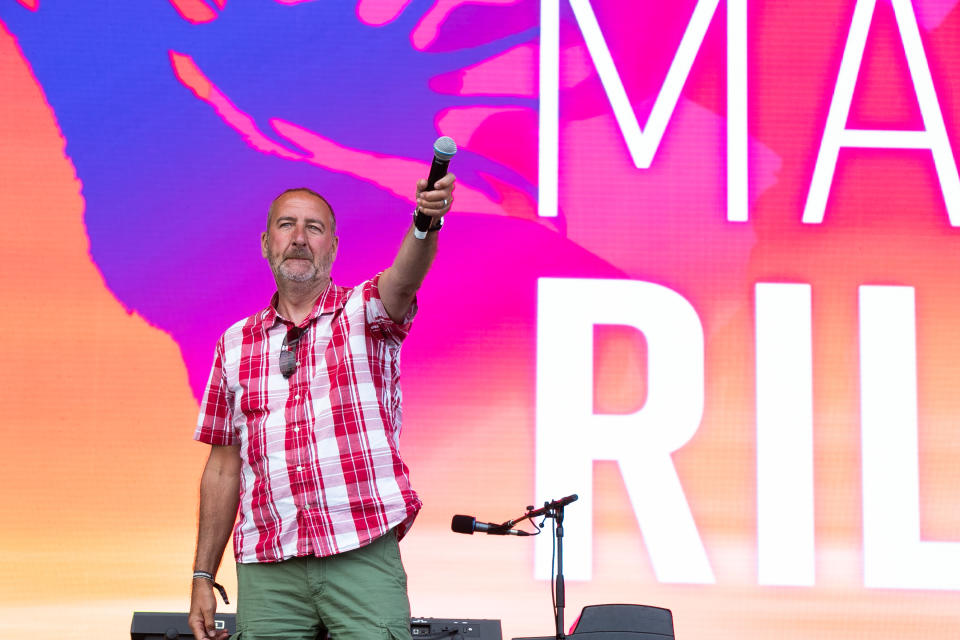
{"type": "Point", "coordinates": [396, 630]}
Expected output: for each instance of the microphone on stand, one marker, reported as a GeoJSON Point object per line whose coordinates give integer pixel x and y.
{"type": "Point", "coordinates": [469, 524]}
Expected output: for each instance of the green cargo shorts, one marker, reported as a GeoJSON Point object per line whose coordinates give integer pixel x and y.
{"type": "Point", "coordinates": [356, 595]}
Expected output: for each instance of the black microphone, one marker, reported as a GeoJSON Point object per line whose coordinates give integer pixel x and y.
{"type": "Point", "coordinates": [469, 524]}
{"type": "Point", "coordinates": [443, 149]}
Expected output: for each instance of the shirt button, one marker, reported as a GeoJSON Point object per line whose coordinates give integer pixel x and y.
{"type": "Point", "coordinates": [296, 429]}
{"type": "Point", "coordinates": [299, 468]}
{"type": "Point", "coordinates": [296, 397]}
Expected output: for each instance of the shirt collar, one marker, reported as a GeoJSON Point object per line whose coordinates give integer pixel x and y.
{"type": "Point", "coordinates": [331, 300]}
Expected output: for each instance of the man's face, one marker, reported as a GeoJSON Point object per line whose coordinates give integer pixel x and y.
{"type": "Point", "coordinates": [300, 242]}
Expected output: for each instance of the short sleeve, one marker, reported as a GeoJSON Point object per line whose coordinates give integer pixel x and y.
{"type": "Point", "coordinates": [377, 317]}
{"type": "Point", "coordinates": [214, 423]}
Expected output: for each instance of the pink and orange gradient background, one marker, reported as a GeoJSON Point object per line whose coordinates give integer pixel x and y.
{"type": "Point", "coordinates": [99, 474]}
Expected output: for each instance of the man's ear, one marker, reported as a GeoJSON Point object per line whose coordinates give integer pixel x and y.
{"type": "Point", "coordinates": [263, 244]}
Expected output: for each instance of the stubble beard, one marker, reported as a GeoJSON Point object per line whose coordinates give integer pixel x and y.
{"type": "Point", "coordinates": [316, 272]}
{"type": "Point", "coordinates": [284, 270]}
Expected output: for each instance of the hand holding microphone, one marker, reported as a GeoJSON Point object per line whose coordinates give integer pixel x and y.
{"type": "Point", "coordinates": [435, 194]}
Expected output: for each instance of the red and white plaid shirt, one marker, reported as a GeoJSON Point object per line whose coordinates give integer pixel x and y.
{"type": "Point", "coordinates": [322, 472]}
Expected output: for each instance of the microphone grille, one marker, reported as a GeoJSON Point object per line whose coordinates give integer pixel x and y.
{"type": "Point", "coordinates": [463, 524]}
{"type": "Point", "coordinates": [445, 147]}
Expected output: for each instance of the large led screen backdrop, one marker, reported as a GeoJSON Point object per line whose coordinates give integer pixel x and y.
{"type": "Point", "coordinates": [703, 271]}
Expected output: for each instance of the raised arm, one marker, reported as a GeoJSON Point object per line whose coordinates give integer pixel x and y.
{"type": "Point", "coordinates": [219, 499]}
{"type": "Point", "coordinates": [400, 282]}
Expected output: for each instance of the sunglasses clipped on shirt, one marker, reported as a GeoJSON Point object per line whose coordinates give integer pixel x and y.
{"type": "Point", "coordinates": [288, 353]}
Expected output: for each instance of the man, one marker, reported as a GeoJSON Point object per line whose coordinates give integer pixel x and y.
{"type": "Point", "coordinates": [302, 413]}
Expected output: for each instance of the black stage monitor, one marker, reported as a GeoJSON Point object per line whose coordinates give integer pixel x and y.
{"type": "Point", "coordinates": [620, 622]}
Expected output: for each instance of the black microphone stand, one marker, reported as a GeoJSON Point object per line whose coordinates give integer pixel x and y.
{"type": "Point", "coordinates": [553, 510]}
{"type": "Point", "coordinates": [557, 515]}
